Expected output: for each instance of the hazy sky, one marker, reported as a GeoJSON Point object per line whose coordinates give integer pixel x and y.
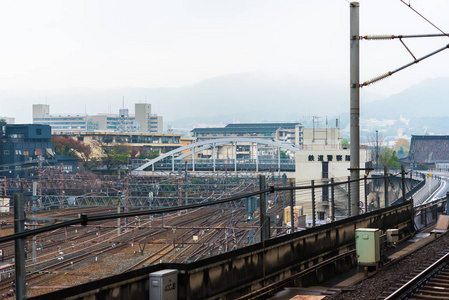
{"type": "Point", "coordinates": [143, 43]}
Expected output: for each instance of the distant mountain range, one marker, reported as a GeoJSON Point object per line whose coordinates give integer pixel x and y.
{"type": "Point", "coordinates": [429, 98]}
{"type": "Point", "coordinates": [247, 97]}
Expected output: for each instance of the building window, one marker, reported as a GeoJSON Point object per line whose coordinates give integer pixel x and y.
{"type": "Point", "coordinates": [347, 157]}
{"type": "Point", "coordinates": [321, 215]}
{"type": "Point", "coordinates": [38, 131]}
{"type": "Point", "coordinates": [330, 157]}
{"type": "Point", "coordinates": [339, 157]}
{"type": "Point", "coordinates": [6, 152]}
{"type": "Point", "coordinates": [311, 158]}
{"type": "Point", "coordinates": [320, 157]}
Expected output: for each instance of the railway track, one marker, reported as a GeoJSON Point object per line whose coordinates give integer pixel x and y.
{"type": "Point", "coordinates": [210, 225]}
{"type": "Point", "coordinates": [430, 283]}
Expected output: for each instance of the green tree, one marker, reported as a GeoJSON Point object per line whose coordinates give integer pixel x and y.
{"type": "Point", "coordinates": [116, 155]}
{"type": "Point", "coordinates": [388, 158]}
{"type": "Point", "coordinates": [148, 154]}
{"type": "Point", "coordinates": [283, 155]}
{"type": "Point", "coordinates": [113, 155]}
{"type": "Point", "coordinates": [345, 144]}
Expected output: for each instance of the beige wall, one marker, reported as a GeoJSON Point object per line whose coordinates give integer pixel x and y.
{"type": "Point", "coordinates": [159, 126]}
{"type": "Point", "coordinates": [307, 170]}
{"type": "Point", "coordinates": [142, 115]}
{"type": "Point", "coordinates": [40, 110]}
{"type": "Point", "coordinates": [321, 138]}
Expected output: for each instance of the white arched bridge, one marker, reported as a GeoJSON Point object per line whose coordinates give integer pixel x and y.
{"type": "Point", "coordinates": [233, 153]}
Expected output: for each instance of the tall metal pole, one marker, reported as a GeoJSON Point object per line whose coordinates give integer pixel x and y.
{"type": "Point", "coordinates": [355, 101]}
{"type": "Point", "coordinates": [292, 204]}
{"type": "Point", "coordinates": [313, 204]}
{"type": "Point", "coordinates": [403, 184]}
{"type": "Point", "coordinates": [34, 199]}
{"type": "Point", "coordinates": [19, 226]}
{"type": "Point", "coordinates": [377, 150]}
{"type": "Point", "coordinates": [386, 186]}
{"type": "Point", "coordinates": [333, 200]}
{"type": "Point", "coordinates": [263, 209]}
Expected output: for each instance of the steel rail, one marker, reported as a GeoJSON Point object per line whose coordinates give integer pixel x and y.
{"type": "Point", "coordinates": [84, 218]}
{"type": "Point", "coordinates": [408, 288]}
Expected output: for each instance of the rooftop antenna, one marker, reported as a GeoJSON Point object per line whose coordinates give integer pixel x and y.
{"type": "Point", "coordinates": [123, 102]}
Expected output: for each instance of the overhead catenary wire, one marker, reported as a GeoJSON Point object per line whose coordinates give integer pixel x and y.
{"type": "Point", "coordinates": [383, 76]}
{"type": "Point", "coordinates": [409, 5]}
{"type": "Point", "coordinates": [84, 219]}
{"type": "Point", "coordinates": [400, 37]}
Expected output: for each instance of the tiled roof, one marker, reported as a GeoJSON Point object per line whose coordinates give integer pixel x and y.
{"type": "Point", "coordinates": [429, 148]}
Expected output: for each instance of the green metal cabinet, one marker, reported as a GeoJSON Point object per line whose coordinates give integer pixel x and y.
{"type": "Point", "coordinates": [367, 242]}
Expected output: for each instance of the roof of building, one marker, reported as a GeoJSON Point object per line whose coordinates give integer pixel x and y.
{"type": "Point", "coordinates": [263, 125]}
{"type": "Point", "coordinates": [246, 128]}
{"type": "Point", "coordinates": [429, 149]}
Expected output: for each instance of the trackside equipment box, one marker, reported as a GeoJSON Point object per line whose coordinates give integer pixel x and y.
{"type": "Point", "coordinates": [392, 235]}
{"type": "Point", "coordinates": [367, 243]}
{"type": "Point", "coordinates": [164, 285]}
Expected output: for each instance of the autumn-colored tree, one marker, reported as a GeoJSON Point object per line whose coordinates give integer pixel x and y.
{"type": "Point", "coordinates": [71, 147]}
{"type": "Point", "coordinates": [402, 143]}
{"type": "Point", "coordinates": [134, 153]}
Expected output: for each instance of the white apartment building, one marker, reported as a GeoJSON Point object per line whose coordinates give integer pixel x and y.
{"type": "Point", "coordinates": [122, 122]}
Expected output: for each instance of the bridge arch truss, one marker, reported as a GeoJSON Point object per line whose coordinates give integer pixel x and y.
{"type": "Point", "coordinates": [190, 150]}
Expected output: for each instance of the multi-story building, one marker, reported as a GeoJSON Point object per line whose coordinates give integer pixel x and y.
{"type": "Point", "coordinates": [24, 146]}
{"type": "Point", "coordinates": [143, 116]}
{"type": "Point", "coordinates": [321, 165]}
{"type": "Point", "coordinates": [156, 124]}
{"type": "Point", "coordinates": [122, 122]}
{"type": "Point", "coordinates": [287, 132]}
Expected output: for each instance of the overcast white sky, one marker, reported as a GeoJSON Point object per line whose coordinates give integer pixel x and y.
{"type": "Point", "coordinates": [144, 43]}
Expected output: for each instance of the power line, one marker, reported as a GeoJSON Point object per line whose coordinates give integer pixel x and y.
{"type": "Point", "coordinates": [409, 5]}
